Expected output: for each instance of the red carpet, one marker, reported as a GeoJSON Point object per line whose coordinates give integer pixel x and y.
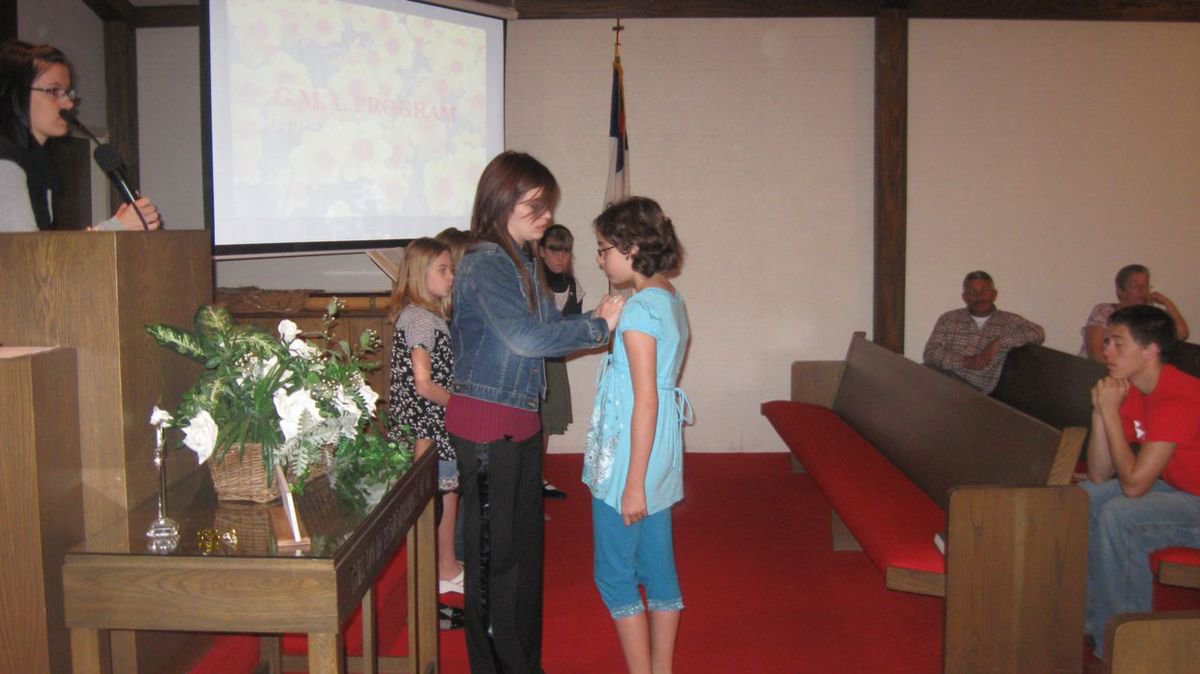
{"type": "Point", "coordinates": [763, 588]}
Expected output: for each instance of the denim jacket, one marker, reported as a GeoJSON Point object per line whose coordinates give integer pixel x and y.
{"type": "Point", "coordinates": [498, 342]}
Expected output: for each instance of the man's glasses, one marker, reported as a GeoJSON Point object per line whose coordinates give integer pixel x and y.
{"type": "Point", "coordinates": [58, 92]}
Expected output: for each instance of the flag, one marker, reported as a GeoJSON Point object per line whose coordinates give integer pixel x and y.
{"type": "Point", "coordinates": [618, 140]}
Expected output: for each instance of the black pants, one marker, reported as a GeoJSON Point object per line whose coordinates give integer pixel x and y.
{"type": "Point", "coordinates": [503, 541]}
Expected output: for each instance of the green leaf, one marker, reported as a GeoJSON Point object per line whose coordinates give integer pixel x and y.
{"type": "Point", "coordinates": [183, 343]}
{"type": "Point", "coordinates": [212, 319]}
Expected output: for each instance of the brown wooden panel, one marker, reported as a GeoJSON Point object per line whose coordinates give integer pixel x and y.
{"type": "Point", "coordinates": [891, 176]}
{"type": "Point", "coordinates": [167, 16]}
{"type": "Point", "coordinates": [1183, 575]}
{"type": "Point", "coordinates": [1153, 643]}
{"type": "Point", "coordinates": [1049, 384]}
{"type": "Point", "coordinates": [120, 79]}
{"type": "Point", "coordinates": [111, 10]}
{"type": "Point", "coordinates": [816, 381]}
{"type": "Point", "coordinates": [1070, 446]}
{"type": "Point", "coordinates": [293, 595]}
{"type": "Point", "coordinates": [917, 582]}
{"type": "Point", "coordinates": [95, 291]}
{"type": "Point", "coordinates": [940, 432]}
{"type": "Point", "coordinates": [41, 504]}
{"type": "Point", "coordinates": [1016, 566]}
{"type": "Point", "coordinates": [1072, 10]}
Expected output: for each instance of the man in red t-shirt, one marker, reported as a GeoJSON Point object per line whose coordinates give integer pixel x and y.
{"type": "Point", "coordinates": [1154, 500]}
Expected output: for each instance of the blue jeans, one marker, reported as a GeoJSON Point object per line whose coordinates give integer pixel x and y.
{"type": "Point", "coordinates": [1122, 533]}
{"type": "Point", "coordinates": [628, 556]}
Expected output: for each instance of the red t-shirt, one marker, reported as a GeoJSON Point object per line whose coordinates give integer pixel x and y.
{"type": "Point", "coordinates": [1170, 413]}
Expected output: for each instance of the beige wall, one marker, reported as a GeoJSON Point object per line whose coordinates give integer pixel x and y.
{"type": "Point", "coordinates": [72, 27]}
{"type": "Point", "coordinates": [170, 124]}
{"type": "Point", "coordinates": [1049, 153]}
{"type": "Point", "coordinates": [756, 136]}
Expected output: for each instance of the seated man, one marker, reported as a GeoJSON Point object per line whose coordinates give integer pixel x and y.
{"type": "Point", "coordinates": [1133, 287]}
{"type": "Point", "coordinates": [1154, 502]}
{"type": "Point", "coordinates": [971, 343]}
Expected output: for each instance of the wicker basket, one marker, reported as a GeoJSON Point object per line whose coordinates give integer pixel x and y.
{"type": "Point", "coordinates": [242, 476]}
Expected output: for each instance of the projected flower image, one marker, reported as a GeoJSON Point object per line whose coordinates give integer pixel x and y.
{"type": "Point", "coordinates": [347, 108]}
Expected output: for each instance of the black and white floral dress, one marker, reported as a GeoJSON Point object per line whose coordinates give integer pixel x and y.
{"type": "Point", "coordinates": [419, 327]}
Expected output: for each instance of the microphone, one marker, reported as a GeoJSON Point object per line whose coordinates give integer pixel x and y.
{"type": "Point", "coordinates": [110, 162]}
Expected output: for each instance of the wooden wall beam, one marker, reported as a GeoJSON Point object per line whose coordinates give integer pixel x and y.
{"type": "Point", "coordinates": [891, 176]}
{"type": "Point", "coordinates": [1057, 10]}
{"type": "Point", "coordinates": [111, 10]}
{"type": "Point", "coordinates": [120, 78]}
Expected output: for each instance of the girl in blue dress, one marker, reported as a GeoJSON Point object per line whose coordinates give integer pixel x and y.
{"type": "Point", "coordinates": [633, 462]}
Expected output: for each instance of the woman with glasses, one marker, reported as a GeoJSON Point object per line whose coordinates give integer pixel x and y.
{"type": "Point", "coordinates": [505, 324]}
{"type": "Point", "coordinates": [35, 85]}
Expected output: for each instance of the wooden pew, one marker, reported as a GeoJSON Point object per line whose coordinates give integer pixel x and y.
{"type": "Point", "coordinates": [1153, 643]}
{"type": "Point", "coordinates": [902, 446]}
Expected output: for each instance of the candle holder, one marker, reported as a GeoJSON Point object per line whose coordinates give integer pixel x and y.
{"type": "Point", "coordinates": [164, 531]}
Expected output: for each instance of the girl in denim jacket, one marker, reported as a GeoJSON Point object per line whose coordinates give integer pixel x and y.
{"type": "Point", "coordinates": [505, 323]}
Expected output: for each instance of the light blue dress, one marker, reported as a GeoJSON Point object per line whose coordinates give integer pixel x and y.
{"type": "Point", "coordinates": [663, 316]}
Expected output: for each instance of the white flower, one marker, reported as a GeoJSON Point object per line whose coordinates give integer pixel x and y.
{"type": "Point", "coordinates": [347, 406]}
{"type": "Point", "coordinates": [200, 435]}
{"type": "Point", "coordinates": [160, 417]}
{"type": "Point", "coordinates": [291, 410]}
{"type": "Point", "coordinates": [288, 330]}
{"type": "Point", "coordinates": [302, 349]}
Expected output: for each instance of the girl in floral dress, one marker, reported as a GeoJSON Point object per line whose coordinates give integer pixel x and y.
{"type": "Point", "coordinates": [422, 362]}
{"type": "Point", "coordinates": [633, 462]}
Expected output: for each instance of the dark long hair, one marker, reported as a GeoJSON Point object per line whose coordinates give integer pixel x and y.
{"type": "Point", "coordinates": [20, 65]}
{"type": "Point", "coordinates": [505, 179]}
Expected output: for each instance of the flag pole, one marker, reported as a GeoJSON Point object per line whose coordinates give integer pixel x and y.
{"type": "Point", "coordinates": [617, 188]}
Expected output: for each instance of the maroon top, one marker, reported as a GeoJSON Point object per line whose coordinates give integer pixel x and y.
{"type": "Point", "coordinates": [482, 422]}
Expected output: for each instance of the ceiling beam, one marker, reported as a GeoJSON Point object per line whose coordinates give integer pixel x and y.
{"type": "Point", "coordinates": [166, 16]}
{"type": "Point", "coordinates": [1066, 10]}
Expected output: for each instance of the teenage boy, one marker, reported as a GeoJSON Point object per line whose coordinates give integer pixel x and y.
{"type": "Point", "coordinates": [1145, 499]}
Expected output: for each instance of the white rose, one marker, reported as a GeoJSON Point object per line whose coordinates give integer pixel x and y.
{"type": "Point", "coordinates": [160, 417]}
{"type": "Point", "coordinates": [291, 410]}
{"type": "Point", "coordinates": [301, 349]}
{"type": "Point", "coordinates": [200, 435]}
{"type": "Point", "coordinates": [347, 405]}
{"type": "Point", "coordinates": [288, 330]}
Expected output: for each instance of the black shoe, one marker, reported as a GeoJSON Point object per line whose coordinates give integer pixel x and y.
{"type": "Point", "coordinates": [550, 491]}
{"type": "Point", "coordinates": [450, 617]}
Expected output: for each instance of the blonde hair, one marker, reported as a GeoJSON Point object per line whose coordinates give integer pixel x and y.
{"type": "Point", "coordinates": [457, 241]}
{"type": "Point", "coordinates": [410, 286]}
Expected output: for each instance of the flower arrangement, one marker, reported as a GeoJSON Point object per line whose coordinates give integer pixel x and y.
{"type": "Point", "coordinates": [292, 397]}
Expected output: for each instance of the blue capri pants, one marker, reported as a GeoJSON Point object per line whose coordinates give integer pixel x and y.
{"type": "Point", "coordinates": [628, 556]}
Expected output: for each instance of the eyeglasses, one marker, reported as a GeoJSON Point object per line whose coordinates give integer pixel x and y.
{"type": "Point", "coordinates": [601, 251]}
{"type": "Point", "coordinates": [558, 249]}
{"type": "Point", "coordinates": [58, 92]}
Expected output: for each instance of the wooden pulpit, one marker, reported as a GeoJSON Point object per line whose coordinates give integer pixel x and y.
{"type": "Point", "coordinates": [94, 292]}
{"type": "Point", "coordinates": [41, 504]}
